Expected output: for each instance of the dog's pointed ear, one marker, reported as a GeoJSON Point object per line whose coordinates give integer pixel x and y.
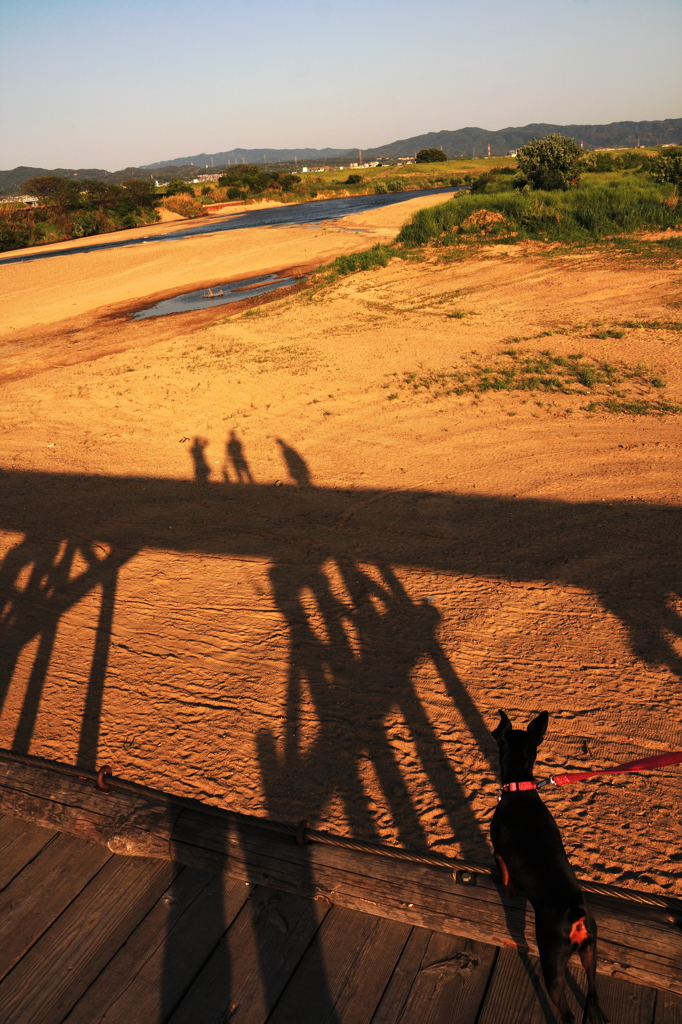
{"type": "Point", "coordinates": [538, 727]}
{"type": "Point", "coordinates": [504, 727]}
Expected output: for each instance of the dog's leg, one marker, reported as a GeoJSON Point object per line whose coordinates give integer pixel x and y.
{"type": "Point", "coordinates": [554, 955]}
{"type": "Point", "coordinates": [588, 959]}
{"type": "Point", "coordinates": [506, 880]}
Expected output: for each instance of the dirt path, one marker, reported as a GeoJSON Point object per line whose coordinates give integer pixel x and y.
{"type": "Point", "coordinates": [236, 567]}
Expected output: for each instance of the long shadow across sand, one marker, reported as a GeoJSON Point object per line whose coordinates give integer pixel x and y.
{"type": "Point", "coordinates": [628, 554]}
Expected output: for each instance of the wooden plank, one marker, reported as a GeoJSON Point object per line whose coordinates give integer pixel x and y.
{"type": "Point", "coordinates": [344, 972]}
{"type": "Point", "coordinates": [59, 968]}
{"type": "Point", "coordinates": [20, 842]}
{"type": "Point", "coordinates": [139, 821]}
{"type": "Point", "coordinates": [203, 906]}
{"type": "Point", "coordinates": [439, 978]}
{"type": "Point", "coordinates": [517, 993]}
{"type": "Point", "coordinates": [401, 982]}
{"type": "Point", "coordinates": [42, 891]}
{"type": "Point", "coordinates": [626, 1003]}
{"type": "Point", "coordinates": [143, 942]}
{"type": "Point", "coordinates": [668, 1008]}
{"type": "Point", "coordinates": [255, 959]}
{"type": "Point", "coordinates": [429, 897]}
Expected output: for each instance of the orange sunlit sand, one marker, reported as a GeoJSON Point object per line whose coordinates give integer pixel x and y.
{"type": "Point", "coordinates": [323, 583]}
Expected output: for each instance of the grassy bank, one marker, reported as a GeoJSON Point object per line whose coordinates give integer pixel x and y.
{"type": "Point", "coordinates": [585, 214]}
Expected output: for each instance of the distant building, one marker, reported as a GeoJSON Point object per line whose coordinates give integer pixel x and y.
{"type": "Point", "coordinates": [26, 200]}
{"type": "Point", "coordinates": [512, 152]}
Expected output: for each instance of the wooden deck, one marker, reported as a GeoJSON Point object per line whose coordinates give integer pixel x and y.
{"type": "Point", "coordinates": [88, 936]}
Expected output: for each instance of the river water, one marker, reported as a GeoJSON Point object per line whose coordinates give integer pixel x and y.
{"type": "Point", "coordinates": [296, 213]}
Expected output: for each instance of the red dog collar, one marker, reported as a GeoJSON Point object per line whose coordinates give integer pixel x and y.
{"type": "Point", "coordinates": [515, 787]}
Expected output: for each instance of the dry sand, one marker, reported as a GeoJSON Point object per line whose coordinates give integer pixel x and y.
{"type": "Point", "coordinates": [324, 594]}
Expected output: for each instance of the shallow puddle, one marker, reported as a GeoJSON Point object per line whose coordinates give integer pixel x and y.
{"type": "Point", "coordinates": [217, 295]}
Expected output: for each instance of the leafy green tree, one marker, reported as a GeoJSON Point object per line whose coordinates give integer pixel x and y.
{"type": "Point", "coordinates": [137, 194]}
{"type": "Point", "coordinates": [249, 180]}
{"type": "Point", "coordinates": [550, 163]}
{"type": "Point", "coordinates": [667, 168]}
{"type": "Point", "coordinates": [430, 156]}
{"type": "Point", "coordinates": [353, 179]}
{"type": "Point", "coordinates": [176, 185]}
{"type": "Point", "coordinates": [53, 190]}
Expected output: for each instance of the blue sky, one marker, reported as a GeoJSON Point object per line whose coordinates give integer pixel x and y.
{"type": "Point", "coordinates": [98, 83]}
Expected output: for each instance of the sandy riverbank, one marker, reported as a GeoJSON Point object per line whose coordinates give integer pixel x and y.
{"type": "Point", "coordinates": [324, 592]}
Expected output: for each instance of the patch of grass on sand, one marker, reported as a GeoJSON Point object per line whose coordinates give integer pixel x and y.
{"type": "Point", "coordinates": [377, 256]}
{"type": "Point", "coordinates": [625, 388]}
{"type": "Point", "coordinates": [653, 325]}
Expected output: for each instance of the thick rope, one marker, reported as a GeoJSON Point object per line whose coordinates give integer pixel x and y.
{"type": "Point", "coordinates": [454, 865]}
{"type": "Point", "coordinates": [305, 834]}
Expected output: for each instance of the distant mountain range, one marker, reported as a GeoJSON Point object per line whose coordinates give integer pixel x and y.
{"type": "Point", "coordinates": [250, 156]}
{"type": "Point", "coordinates": [463, 142]}
{"type": "Point", "coordinates": [475, 141]}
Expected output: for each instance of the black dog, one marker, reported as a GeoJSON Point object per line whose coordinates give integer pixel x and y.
{"type": "Point", "coordinates": [529, 851]}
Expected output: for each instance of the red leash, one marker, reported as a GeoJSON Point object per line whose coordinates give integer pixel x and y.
{"type": "Point", "coordinates": [644, 763]}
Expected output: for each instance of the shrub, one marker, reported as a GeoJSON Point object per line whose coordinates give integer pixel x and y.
{"type": "Point", "coordinates": [380, 188]}
{"type": "Point", "coordinates": [353, 179]}
{"type": "Point", "coordinates": [14, 236]}
{"type": "Point", "coordinates": [667, 169]}
{"type": "Point", "coordinates": [86, 224]}
{"type": "Point", "coordinates": [550, 163]}
{"type": "Point", "coordinates": [186, 206]}
{"type": "Point", "coordinates": [430, 156]}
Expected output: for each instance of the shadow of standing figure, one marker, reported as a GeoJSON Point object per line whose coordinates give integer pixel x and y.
{"type": "Point", "coordinates": [202, 470]}
{"type": "Point", "coordinates": [353, 672]}
{"type": "Point", "coordinates": [235, 453]}
{"type": "Point", "coordinates": [296, 465]}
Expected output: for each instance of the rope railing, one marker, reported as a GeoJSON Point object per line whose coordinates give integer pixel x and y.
{"type": "Point", "coordinates": [451, 864]}
{"type": "Point", "coordinates": [302, 834]}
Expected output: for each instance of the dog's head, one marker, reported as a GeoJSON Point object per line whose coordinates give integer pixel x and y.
{"type": "Point", "coordinates": [518, 747]}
